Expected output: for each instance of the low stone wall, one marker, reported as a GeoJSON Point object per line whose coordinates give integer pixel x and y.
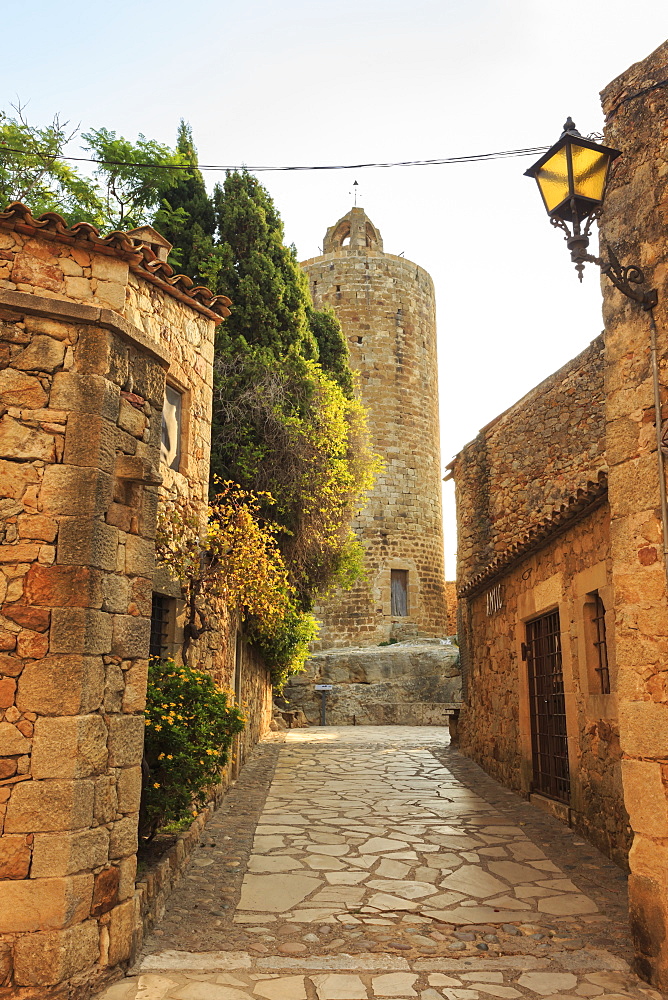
{"type": "Point", "coordinates": [413, 683]}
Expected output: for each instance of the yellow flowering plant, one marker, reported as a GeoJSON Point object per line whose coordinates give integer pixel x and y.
{"type": "Point", "coordinates": [190, 724]}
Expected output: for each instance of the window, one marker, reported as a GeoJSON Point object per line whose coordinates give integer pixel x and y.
{"type": "Point", "coordinates": [399, 592]}
{"type": "Point", "coordinates": [160, 620]}
{"type": "Point", "coordinates": [598, 641]}
{"type": "Point", "coordinates": [172, 416]}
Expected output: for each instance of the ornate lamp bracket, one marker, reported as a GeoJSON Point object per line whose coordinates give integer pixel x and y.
{"type": "Point", "coordinates": [627, 278]}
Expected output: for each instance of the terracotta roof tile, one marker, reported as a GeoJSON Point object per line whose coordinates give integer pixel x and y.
{"type": "Point", "coordinates": [142, 260]}
{"type": "Point", "coordinates": [575, 507]}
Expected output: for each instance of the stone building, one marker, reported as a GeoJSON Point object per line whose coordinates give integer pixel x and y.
{"type": "Point", "coordinates": [386, 307]}
{"type": "Point", "coordinates": [534, 557]}
{"type": "Point", "coordinates": [558, 567]}
{"type": "Point", "coordinates": [97, 340]}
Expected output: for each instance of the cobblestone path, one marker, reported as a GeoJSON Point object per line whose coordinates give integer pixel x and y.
{"type": "Point", "coordinates": [383, 864]}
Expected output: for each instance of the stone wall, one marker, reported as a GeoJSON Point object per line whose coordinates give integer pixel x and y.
{"type": "Point", "coordinates": [89, 329]}
{"type": "Point", "coordinates": [411, 683]}
{"type": "Point", "coordinates": [530, 459]}
{"type": "Point", "coordinates": [495, 724]}
{"type": "Point", "coordinates": [386, 307]}
{"type": "Point", "coordinates": [634, 224]}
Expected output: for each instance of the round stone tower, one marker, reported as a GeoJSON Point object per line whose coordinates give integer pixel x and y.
{"type": "Point", "coordinates": [386, 307]}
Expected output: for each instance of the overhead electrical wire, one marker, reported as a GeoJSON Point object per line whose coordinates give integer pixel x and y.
{"type": "Point", "coordinates": [445, 161]}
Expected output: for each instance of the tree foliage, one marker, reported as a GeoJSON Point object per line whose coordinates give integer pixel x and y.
{"type": "Point", "coordinates": [286, 422]}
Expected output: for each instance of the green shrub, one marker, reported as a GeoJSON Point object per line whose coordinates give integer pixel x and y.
{"type": "Point", "coordinates": [284, 645]}
{"type": "Point", "coordinates": [190, 725]}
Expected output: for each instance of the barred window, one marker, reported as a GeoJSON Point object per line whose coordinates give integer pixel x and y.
{"type": "Point", "coordinates": [599, 641]}
{"type": "Point", "coordinates": [160, 621]}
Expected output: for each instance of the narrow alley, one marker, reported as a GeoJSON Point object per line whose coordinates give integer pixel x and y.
{"type": "Point", "coordinates": [351, 863]}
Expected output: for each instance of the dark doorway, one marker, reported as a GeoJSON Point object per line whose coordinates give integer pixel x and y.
{"type": "Point", "coordinates": [548, 707]}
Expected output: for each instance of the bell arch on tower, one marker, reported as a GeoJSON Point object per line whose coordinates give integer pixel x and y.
{"type": "Point", "coordinates": [354, 232]}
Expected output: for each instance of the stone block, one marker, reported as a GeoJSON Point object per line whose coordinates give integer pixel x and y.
{"type": "Point", "coordinates": [64, 586]}
{"type": "Point", "coordinates": [21, 552]}
{"type": "Point", "coordinates": [45, 903]}
{"type": "Point", "coordinates": [17, 477]}
{"type": "Point", "coordinates": [105, 891]}
{"type": "Point", "coordinates": [136, 469]}
{"type": "Point", "coordinates": [61, 685]}
{"type": "Point", "coordinates": [12, 741]}
{"type": "Point", "coordinates": [48, 958]}
{"type": "Point", "coordinates": [37, 526]}
{"type": "Point", "coordinates": [80, 630]}
{"type": "Point", "coordinates": [131, 419]}
{"type": "Point", "coordinates": [129, 789]}
{"type": "Point", "coordinates": [78, 393]}
{"type": "Point", "coordinates": [73, 746]}
{"type": "Point", "coordinates": [32, 645]}
{"type": "Point", "coordinates": [126, 740]}
{"type": "Point", "coordinates": [127, 877]}
{"type": "Point", "coordinates": [110, 294]}
{"type": "Point", "coordinates": [106, 799]}
{"type": "Point", "coordinates": [36, 619]}
{"type": "Point", "coordinates": [90, 440]}
{"type": "Point", "coordinates": [645, 797]}
{"type": "Point", "coordinates": [56, 854]}
{"type": "Point", "coordinates": [23, 391]}
{"type": "Point", "coordinates": [115, 593]}
{"type": "Point", "coordinates": [74, 490]}
{"type": "Point", "coordinates": [123, 837]}
{"type": "Point", "coordinates": [123, 924]}
{"type": "Point", "coordinates": [10, 666]}
{"type": "Point", "coordinates": [43, 806]}
{"type": "Point", "coordinates": [136, 679]}
{"type": "Point", "coordinates": [29, 270]}
{"type": "Point", "coordinates": [131, 636]}
{"type": "Point", "coordinates": [139, 556]}
{"type": "Point", "coordinates": [7, 693]}
{"type": "Point", "coordinates": [87, 543]}
{"type": "Point", "coordinates": [14, 856]}
{"type": "Point", "coordinates": [113, 688]}
{"type": "Point", "coordinates": [109, 269]}
{"type": "Point", "coordinates": [120, 515]}
{"type": "Point", "coordinates": [44, 354]}
{"type": "Point", "coordinates": [149, 379]}
{"type": "Point", "coordinates": [20, 442]}
{"type": "Point", "coordinates": [643, 727]}
{"type": "Point", "coordinates": [141, 592]}
{"type": "Point", "coordinates": [6, 964]}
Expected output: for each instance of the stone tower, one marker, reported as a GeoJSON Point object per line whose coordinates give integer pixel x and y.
{"type": "Point", "coordinates": [386, 307]}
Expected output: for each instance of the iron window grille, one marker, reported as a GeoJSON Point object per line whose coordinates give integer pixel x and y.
{"type": "Point", "coordinates": [542, 652]}
{"type": "Point", "coordinates": [159, 639]}
{"type": "Point", "coordinates": [600, 642]}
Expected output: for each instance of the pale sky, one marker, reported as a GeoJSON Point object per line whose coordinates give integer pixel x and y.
{"type": "Point", "coordinates": [301, 82]}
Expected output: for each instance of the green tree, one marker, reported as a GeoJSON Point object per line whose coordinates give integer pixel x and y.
{"type": "Point", "coordinates": [135, 177]}
{"type": "Point", "coordinates": [32, 172]}
{"type": "Point", "coordinates": [187, 217]}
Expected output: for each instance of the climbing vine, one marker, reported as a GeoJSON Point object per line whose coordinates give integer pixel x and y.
{"type": "Point", "coordinates": [233, 559]}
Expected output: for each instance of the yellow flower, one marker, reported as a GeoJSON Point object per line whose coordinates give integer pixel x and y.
{"type": "Point", "coordinates": [156, 784]}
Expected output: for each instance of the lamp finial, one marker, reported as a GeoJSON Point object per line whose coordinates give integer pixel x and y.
{"type": "Point", "coordinates": [569, 126]}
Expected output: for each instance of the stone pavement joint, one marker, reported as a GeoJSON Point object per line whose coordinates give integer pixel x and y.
{"type": "Point", "coordinates": [385, 865]}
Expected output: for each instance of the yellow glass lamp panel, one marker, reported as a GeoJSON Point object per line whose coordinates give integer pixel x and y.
{"type": "Point", "coordinates": [552, 179]}
{"type": "Point", "coordinates": [590, 169]}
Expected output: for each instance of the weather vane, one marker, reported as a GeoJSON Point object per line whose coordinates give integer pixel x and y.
{"type": "Point", "coordinates": [354, 191]}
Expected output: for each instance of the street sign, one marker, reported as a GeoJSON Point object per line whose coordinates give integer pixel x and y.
{"type": "Point", "coordinates": [324, 687]}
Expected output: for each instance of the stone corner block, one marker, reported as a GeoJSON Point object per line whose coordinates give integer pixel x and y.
{"type": "Point", "coordinates": [49, 957]}
{"type": "Point", "coordinates": [126, 740]}
{"type": "Point", "coordinates": [73, 746]}
{"type": "Point", "coordinates": [43, 806]}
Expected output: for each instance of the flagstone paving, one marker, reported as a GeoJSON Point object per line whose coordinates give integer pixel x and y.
{"type": "Point", "coordinates": [385, 865]}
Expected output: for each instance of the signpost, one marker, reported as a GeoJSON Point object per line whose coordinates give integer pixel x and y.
{"type": "Point", "coordinates": [323, 689]}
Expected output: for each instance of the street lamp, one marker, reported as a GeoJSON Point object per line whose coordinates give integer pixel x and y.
{"type": "Point", "coordinates": [572, 177]}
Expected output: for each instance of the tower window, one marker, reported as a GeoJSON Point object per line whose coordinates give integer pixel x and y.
{"type": "Point", "coordinates": [160, 624]}
{"type": "Point", "coordinates": [359, 340]}
{"type": "Point", "coordinates": [399, 592]}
